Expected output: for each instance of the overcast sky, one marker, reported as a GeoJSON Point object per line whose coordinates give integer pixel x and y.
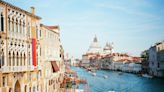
{"type": "Point", "coordinates": [132, 25]}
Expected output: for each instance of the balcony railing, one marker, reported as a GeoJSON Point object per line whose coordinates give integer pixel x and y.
{"type": "Point", "coordinates": [6, 69]}
{"type": "Point", "coordinates": [17, 35]}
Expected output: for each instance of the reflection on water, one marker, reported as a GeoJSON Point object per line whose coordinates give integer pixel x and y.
{"type": "Point", "coordinates": [120, 83]}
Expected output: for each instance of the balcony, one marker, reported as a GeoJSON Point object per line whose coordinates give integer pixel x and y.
{"type": "Point", "coordinates": [17, 35]}
{"type": "Point", "coordinates": [8, 69]}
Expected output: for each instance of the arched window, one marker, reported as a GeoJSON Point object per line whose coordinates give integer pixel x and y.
{"type": "Point", "coordinates": [30, 89]}
{"type": "Point", "coordinates": [9, 59]}
{"type": "Point", "coordinates": [2, 22]}
{"type": "Point", "coordinates": [28, 30]}
{"type": "Point", "coordinates": [37, 32]}
{"type": "Point", "coordinates": [3, 58]}
{"type": "Point", "coordinates": [20, 26]}
{"type": "Point", "coordinates": [13, 24]}
{"type": "Point", "coordinates": [29, 58]}
{"type": "Point", "coordinates": [33, 89]}
{"type": "Point", "coordinates": [21, 59]}
{"type": "Point", "coordinates": [17, 59]}
{"type": "Point", "coordinates": [16, 25]}
{"type": "Point", "coordinates": [8, 23]}
{"type": "Point", "coordinates": [13, 59]}
{"type": "Point", "coordinates": [37, 59]}
{"type": "Point", "coordinates": [24, 59]}
{"type": "Point", "coordinates": [23, 29]}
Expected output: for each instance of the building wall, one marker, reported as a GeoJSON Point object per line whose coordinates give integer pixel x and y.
{"type": "Point", "coordinates": [19, 70]}
{"type": "Point", "coordinates": [51, 52]}
{"type": "Point", "coordinates": [18, 27]}
{"type": "Point", "coordinates": [156, 60]}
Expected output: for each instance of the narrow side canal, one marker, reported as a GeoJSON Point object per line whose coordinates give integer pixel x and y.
{"type": "Point", "coordinates": [120, 83]}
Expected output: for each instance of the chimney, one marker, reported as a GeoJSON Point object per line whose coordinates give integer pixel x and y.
{"type": "Point", "coordinates": [32, 10]}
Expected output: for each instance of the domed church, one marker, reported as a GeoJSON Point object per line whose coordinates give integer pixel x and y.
{"type": "Point", "coordinates": [108, 48]}
{"type": "Point", "coordinates": [94, 46]}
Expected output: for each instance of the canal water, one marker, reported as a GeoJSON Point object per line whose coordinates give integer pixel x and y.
{"type": "Point", "coordinates": [120, 83]}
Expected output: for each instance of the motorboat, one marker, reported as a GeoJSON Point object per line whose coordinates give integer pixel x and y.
{"type": "Point", "coordinates": [147, 76]}
{"type": "Point", "coordinates": [111, 91]}
{"type": "Point", "coordinates": [105, 76]}
{"type": "Point", "coordinates": [93, 74]}
{"type": "Point", "coordinates": [89, 71]}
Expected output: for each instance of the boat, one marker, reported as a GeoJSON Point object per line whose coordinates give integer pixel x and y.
{"type": "Point", "coordinates": [111, 91]}
{"type": "Point", "coordinates": [147, 76]}
{"type": "Point", "coordinates": [89, 71]}
{"type": "Point", "coordinates": [93, 74]}
{"type": "Point", "coordinates": [105, 76]}
{"type": "Point", "coordinates": [79, 90]}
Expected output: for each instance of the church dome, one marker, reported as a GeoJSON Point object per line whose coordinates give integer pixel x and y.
{"type": "Point", "coordinates": [108, 48]}
{"type": "Point", "coordinates": [94, 47]}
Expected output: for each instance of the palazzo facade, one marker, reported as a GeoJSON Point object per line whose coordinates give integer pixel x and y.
{"type": "Point", "coordinates": [23, 64]}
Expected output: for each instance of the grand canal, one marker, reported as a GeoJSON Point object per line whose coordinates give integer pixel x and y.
{"type": "Point", "coordinates": [120, 83]}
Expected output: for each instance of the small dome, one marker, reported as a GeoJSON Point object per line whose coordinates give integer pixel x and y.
{"type": "Point", "coordinates": [108, 47]}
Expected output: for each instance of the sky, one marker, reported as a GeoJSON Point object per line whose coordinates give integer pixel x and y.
{"type": "Point", "coordinates": [132, 25]}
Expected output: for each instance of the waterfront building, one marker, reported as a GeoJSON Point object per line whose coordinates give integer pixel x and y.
{"type": "Point", "coordinates": [106, 62]}
{"type": "Point", "coordinates": [20, 69]}
{"type": "Point", "coordinates": [107, 59]}
{"type": "Point", "coordinates": [156, 59]}
{"type": "Point", "coordinates": [94, 50]}
{"type": "Point", "coordinates": [31, 54]}
{"type": "Point", "coordinates": [135, 67]}
{"type": "Point", "coordinates": [86, 60]}
{"type": "Point", "coordinates": [52, 56]}
{"type": "Point", "coordinates": [117, 65]}
{"type": "Point", "coordinates": [74, 62]}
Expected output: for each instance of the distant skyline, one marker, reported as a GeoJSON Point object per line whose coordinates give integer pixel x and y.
{"type": "Point", "coordinates": [132, 25]}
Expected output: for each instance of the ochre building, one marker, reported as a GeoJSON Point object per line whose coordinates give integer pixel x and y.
{"type": "Point", "coordinates": [26, 63]}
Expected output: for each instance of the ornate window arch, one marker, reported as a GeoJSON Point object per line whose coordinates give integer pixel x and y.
{"type": "Point", "coordinates": [9, 58]}
{"type": "Point", "coordinates": [21, 59]}
{"type": "Point", "coordinates": [16, 25]}
{"type": "Point", "coordinates": [24, 58]}
{"type": "Point", "coordinates": [9, 24]}
{"type": "Point", "coordinates": [17, 59]}
{"type": "Point", "coordinates": [12, 23]}
{"type": "Point", "coordinates": [3, 57]}
{"type": "Point", "coordinates": [20, 26]}
{"type": "Point", "coordinates": [2, 22]}
{"type": "Point", "coordinates": [37, 32]}
{"type": "Point", "coordinates": [23, 29]}
{"type": "Point", "coordinates": [13, 59]}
